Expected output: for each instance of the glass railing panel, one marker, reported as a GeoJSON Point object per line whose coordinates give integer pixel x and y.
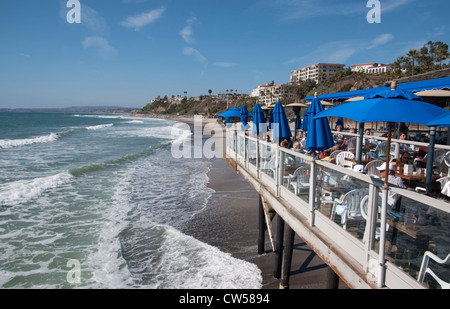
{"type": "Point", "coordinates": [241, 145]}
{"type": "Point", "coordinates": [413, 229]}
{"type": "Point", "coordinates": [340, 197]}
{"type": "Point", "coordinates": [252, 152]}
{"type": "Point", "coordinates": [267, 159]}
{"type": "Point", "coordinates": [296, 175]}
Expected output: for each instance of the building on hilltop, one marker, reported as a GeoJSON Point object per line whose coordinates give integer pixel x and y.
{"type": "Point", "coordinates": [270, 94]}
{"type": "Point", "coordinates": [370, 68]}
{"type": "Point", "coordinates": [318, 72]}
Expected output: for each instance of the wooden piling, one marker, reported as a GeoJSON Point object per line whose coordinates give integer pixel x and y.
{"type": "Point", "coordinates": [261, 226]}
{"type": "Point", "coordinates": [279, 247]}
{"type": "Point", "coordinates": [287, 259]}
{"type": "Point", "coordinates": [332, 279]}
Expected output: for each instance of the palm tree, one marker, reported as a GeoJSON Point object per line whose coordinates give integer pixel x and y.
{"type": "Point", "coordinates": [414, 54]}
{"type": "Point", "coordinates": [209, 91]}
{"type": "Point", "coordinates": [441, 52]}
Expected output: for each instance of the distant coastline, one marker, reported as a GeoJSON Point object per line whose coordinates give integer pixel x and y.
{"type": "Point", "coordinates": [72, 109]}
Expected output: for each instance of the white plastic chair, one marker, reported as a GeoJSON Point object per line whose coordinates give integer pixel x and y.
{"type": "Point", "coordinates": [371, 168]}
{"type": "Point", "coordinates": [424, 269]}
{"type": "Point", "coordinates": [364, 213]}
{"type": "Point", "coordinates": [350, 207]}
{"type": "Point", "coordinates": [341, 159]}
{"type": "Point", "coordinates": [335, 153]}
{"type": "Point", "coordinates": [300, 179]}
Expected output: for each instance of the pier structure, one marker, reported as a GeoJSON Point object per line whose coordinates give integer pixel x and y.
{"type": "Point", "coordinates": [338, 213]}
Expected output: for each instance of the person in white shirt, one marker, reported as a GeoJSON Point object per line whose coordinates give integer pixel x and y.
{"type": "Point", "coordinates": [392, 178]}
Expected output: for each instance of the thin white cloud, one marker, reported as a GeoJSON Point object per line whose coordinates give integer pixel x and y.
{"type": "Point", "coordinates": [143, 19]}
{"type": "Point", "coordinates": [331, 52]}
{"type": "Point", "coordinates": [288, 10]}
{"type": "Point", "coordinates": [92, 20]}
{"type": "Point", "coordinates": [391, 5]}
{"type": "Point", "coordinates": [189, 51]}
{"type": "Point", "coordinates": [225, 64]}
{"type": "Point", "coordinates": [187, 32]}
{"type": "Point", "coordinates": [101, 45]}
{"type": "Point", "coordinates": [381, 40]}
{"type": "Point", "coordinates": [340, 55]}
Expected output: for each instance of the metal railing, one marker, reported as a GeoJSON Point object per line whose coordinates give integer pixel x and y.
{"type": "Point", "coordinates": [346, 205]}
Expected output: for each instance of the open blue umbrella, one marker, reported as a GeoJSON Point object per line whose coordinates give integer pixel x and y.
{"type": "Point", "coordinates": [259, 120]}
{"type": "Point", "coordinates": [441, 121]}
{"type": "Point", "coordinates": [319, 133]}
{"type": "Point", "coordinates": [230, 113]}
{"type": "Point", "coordinates": [280, 124]}
{"type": "Point", "coordinates": [391, 106]}
{"type": "Point", "coordinates": [244, 117]}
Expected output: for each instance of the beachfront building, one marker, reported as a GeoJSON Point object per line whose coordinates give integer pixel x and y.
{"type": "Point", "coordinates": [270, 94]}
{"type": "Point", "coordinates": [318, 72]}
{"type": "Point", "coordinates": [370, 68]}
{"type": "Point", "coordinates": [257, 91]}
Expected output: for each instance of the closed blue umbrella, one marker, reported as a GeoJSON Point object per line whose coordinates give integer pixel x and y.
{"type": "Point", "coordinates": [319, 136]}
{"type": "Point", "coordinates": [244, 117]}
{"type": "Point", "coordinates": [259, 120]}
{"type": "Point", "coordinates": [280, 124]}
{"type": "Point", "coordinates": [340, 122]}
{"type": "Point", "coordinates": [304, 126]}
{"type": "Point", "coordinates": [298, 122]}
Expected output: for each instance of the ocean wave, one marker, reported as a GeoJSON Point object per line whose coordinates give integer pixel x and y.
{"type": "Point", "coordinates": [13, 143]}
{"type": "Point", "coordinates": [168, 259]}
{"type": "Point", "coordinates": [98, 166]}
{"type": "Point", "coordinates": [23, 191]}
{"type": "Point", "coordinates": [100, 126]}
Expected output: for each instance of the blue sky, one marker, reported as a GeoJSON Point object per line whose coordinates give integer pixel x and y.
{"type": "Point", "coordinates": [126, 52]}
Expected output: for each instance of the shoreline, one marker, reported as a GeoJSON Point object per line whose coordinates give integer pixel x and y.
{"type": "Point", "coordinates": [234, 207]}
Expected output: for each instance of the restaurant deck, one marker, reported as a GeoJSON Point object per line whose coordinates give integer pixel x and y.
{"type": "Point", "coordinates": [337, 212]}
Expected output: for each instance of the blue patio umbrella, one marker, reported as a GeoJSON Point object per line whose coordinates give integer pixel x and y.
{"type": "Point", "coordinates": [280, 124]}
{"type": "Point", "coordinates": [259, 121]}
{"type": "Point", "coordinates": [230, 113]}
{"type": "Point", "coordinates": [244, 117]}
{"type": "Point", "coordinates": [304, 126]}
{"type": "Point", "coordinates": [340, 122]}
{"type": "Point", "coordinates": [391, 106]}
{"type": "Point", "coordinates": [441, 121]}
{"type": "Point", "coordinates": [298, 122]}
{"type": "Point", "coordinates": [319, 136]}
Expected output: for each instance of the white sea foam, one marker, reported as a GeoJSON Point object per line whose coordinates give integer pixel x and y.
{"type": "Point", "coordinates": [22, 191]}
{"type": "Point", "coordinates": [12, 143]}
{"type": "Point", "coordinates": [135, 121]}
{"type": "Point", "coordinates": [189, 263]}
{"type": "Point", "coordinates": [100, 126]}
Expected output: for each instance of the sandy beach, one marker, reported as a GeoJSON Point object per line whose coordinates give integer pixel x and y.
{"type": "Point", "coordinates": [230, 223]}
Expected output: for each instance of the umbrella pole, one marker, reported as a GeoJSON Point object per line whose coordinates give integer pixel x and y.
{"type": "Point", "coordinates": [430, 155]}
{"type": "Point", "coordinates": [381, 258]}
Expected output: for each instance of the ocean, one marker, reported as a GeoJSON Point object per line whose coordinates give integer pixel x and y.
{"type": "Point", "coordinates": [98, 201]}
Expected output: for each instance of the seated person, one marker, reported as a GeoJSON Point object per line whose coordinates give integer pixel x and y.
{"type": "Point", "coordinates": [403, 147]}
{"type": "Point", "coordinates": [392, 178]}
{"type": "Point", "coordinates": [344, 145]}
{"type": "Point", "coordinates": [338, 137]}
{"type": "Point", "coordinates": [369, 142]}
